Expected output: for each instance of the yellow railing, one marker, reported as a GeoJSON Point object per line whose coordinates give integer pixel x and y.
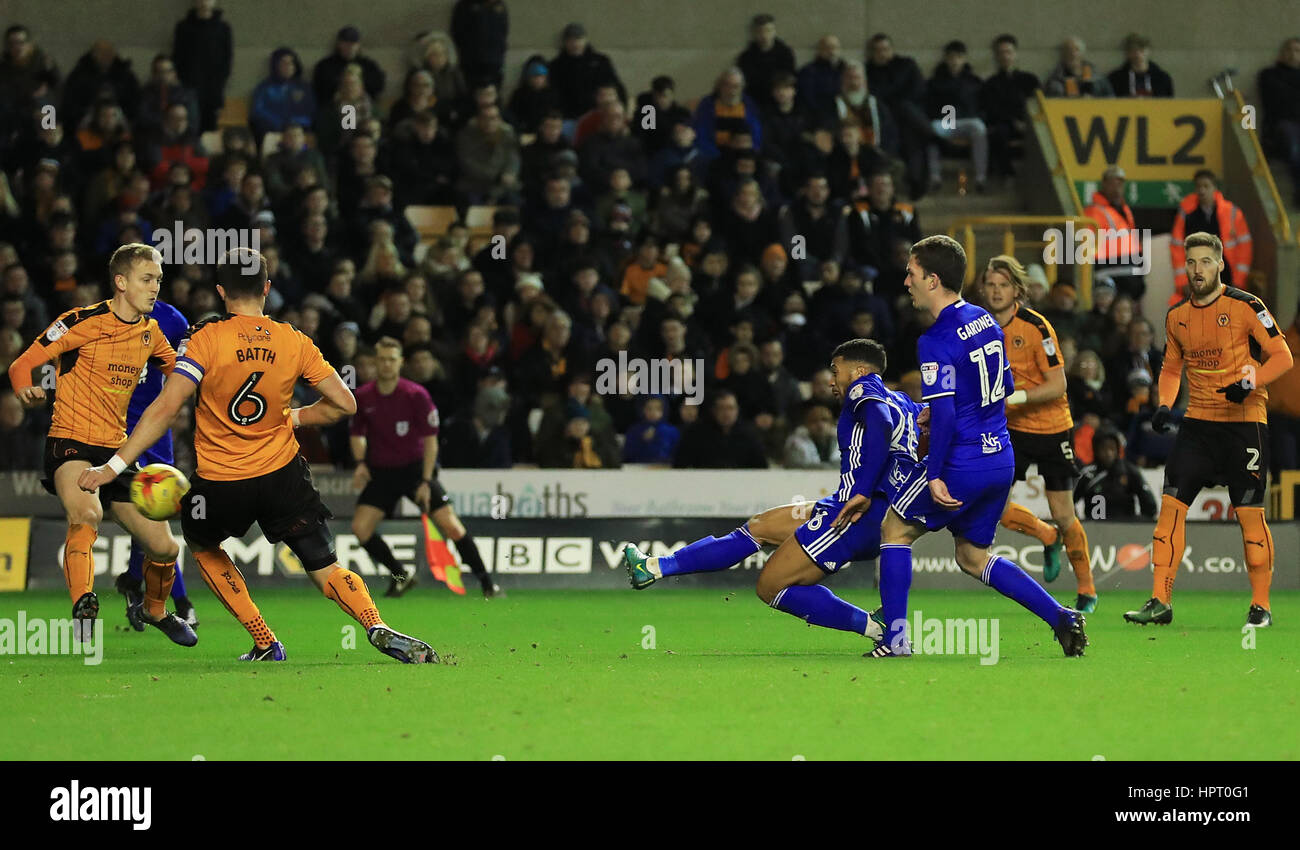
{"type": "Point", "coordinates": [1283, 223]}
{"type": "Point", "coordinates": [1061, 169]}
{"type": "Point", "coordinates": [1010, 244]}
{"type": "Point", "coordinates": [1281, 496]}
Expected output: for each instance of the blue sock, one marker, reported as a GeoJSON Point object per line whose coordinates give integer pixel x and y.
{"type": "Point", "coordinates": [710, 554]}
{"type": "Point", "coordinates": [1014, 583]}
{"type": "Point", "coordinates": [178, 584]}
{"type": "Point", "coordinates": [135, 564]}
{"type": "Point", "coordinates": [895, 581]}
{"type": "Point", "coordinates": [135, 569]}
{"type": "Point", "coordinates": [816, 604]}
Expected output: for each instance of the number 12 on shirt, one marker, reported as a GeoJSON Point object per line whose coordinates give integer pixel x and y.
{"type": "Point", "coordinates": [991, 386]}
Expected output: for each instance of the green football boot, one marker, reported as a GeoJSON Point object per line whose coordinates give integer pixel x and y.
{"type": "Point", "coordinates": [637, 574]}
{"type": "Point", "coordinates": [1152, 611]}
{"type": "Point", "coordinates": [1052, 558]}
{"type": "Point", "coordinates": [1085, 604]}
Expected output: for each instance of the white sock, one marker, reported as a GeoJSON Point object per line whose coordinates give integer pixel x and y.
{"type": "Point", "coordinates": [652, 564]}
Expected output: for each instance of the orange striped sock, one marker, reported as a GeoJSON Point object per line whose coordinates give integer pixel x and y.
{"type": "Point", "coordinates": [158, 580]}
{"type": "Point", "coordinates": [1076, 546]}
{"type": "Point", "coordinates": [1167, 544]}
{"type": "Point", "coordinates": [226, 581]}
{"type": "Point", "coordinates": [1258, 541]}
{"type": "Point", "coordinates": [1023, 520]}
{"type": "Point", "coordinates": [78, 561]}
{"type": "Point", "coordinates": [349, 591]}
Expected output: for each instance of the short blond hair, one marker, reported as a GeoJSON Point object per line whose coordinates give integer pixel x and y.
{"type": "Point", "coordinates": [389, 342]}
{"type": "Point", "coordinates": [125, 257]}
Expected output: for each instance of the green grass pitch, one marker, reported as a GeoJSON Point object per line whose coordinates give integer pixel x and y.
{"type": "Point", "coordinates": [564, 675]}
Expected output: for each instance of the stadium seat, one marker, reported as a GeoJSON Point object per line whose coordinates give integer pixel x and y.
{"type": "Point", "coordinates": [430, 222]}
{"type": "Point", "coordinates": [234, 113]}
{"type": "Point", "coordinates": [479, 220]}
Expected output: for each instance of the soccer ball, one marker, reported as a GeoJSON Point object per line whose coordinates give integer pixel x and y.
{"type": "Point", "coordinates": [157, 490]}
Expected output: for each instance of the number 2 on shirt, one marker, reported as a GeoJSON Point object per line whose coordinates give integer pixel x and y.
{"type": "Point", "coordinates": [980, 357]}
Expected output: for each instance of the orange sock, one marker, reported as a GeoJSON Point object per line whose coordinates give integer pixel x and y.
{"type": "Point", "coordinates": [158, 579]}
{"type": "Point", "coordinates": [1021, 519]}
{"type": "Point", "coordinates": [1167, 544]}
{"type": "Point", "coordinates": [1258, 541]}
{"type": "Point", "coordinates": [78, 562]}
{"type": "Point", "coordinates": [1076, 546]}
{"type": "Point", "coordinates": [349, 591]}
{"type": "Point", "coordinates": [227, 582]}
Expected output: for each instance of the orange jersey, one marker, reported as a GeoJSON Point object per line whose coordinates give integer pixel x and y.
{"type": "Point", "coordinates": [1220, 343]}
{"type": "Point", "coordinates": [100, 359]}
{"type": "Point", "coordinates": [246, 368]}
{"type": "Point", "coordinates": [1032, 352]}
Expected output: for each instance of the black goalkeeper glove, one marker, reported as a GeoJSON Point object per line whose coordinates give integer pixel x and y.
{"type": "Point", "coordinates": [1160, 419]}
{"type": "Point", "coordinates": [1235, 392]}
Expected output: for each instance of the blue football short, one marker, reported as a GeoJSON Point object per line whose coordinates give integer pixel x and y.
{"type": "Point", "coordinates": [983, 492]}
{"type": "Point", "coordinates": [858, 541]}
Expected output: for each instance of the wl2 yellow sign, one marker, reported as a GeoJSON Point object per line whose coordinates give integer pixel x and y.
{"type": "Point", "coordinates": [1151, 139]}
{"type": "Point", "coordinates": [15, 535]}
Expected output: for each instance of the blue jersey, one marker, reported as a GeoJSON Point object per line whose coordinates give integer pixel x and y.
{"type": "Point", "coordinates": [966, 378]}
{"type": "Point", "coordinates": [173, 326]}
{"type": "Point", "coordinates": [877, 431]}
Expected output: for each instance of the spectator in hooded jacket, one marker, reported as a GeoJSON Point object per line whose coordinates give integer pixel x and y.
{"type": "Point", "coordinates": [578, 70]}
{"type": "Point", "coordinates": [1139, 76]}
{"type": "Point", "coordinates": [202, 49]}
{"type": "Point", "coordinates": [283, 98]}
{"type": "Point", "coordinates": [534, 98]}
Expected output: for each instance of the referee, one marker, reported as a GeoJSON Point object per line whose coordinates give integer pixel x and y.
{"type": "Point", "coordinates": [394, 437]}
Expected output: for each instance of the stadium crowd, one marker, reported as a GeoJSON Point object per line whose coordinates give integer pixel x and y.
{"type": "Point", "coordinates": [613, 234]}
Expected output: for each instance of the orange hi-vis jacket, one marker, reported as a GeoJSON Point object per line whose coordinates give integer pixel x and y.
{"type": "Point", "coordinates": [1120, 225]}
{"type": "Point", "coordinates": [1238, 249]}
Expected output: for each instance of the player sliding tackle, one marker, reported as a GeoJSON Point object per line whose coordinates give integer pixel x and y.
{"type": "Point", "coordinates": [878, 439]}
{"type": "Point", "coordinates": [249, 467]}
{"type": "Point", "coordinates": [966, 478]}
